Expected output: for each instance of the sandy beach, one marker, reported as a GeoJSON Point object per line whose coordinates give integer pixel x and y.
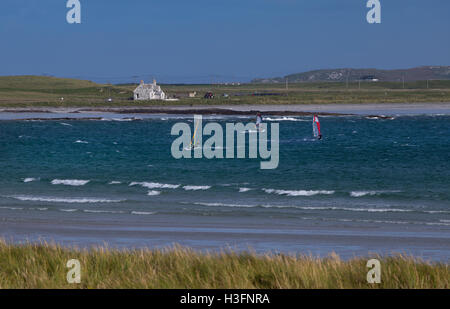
{"type": "Point", "coordinates": [240, 234]}
{"type": "Point", "coordinates": [382, 109]}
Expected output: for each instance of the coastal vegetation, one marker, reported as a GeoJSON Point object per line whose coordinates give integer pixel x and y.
{"type": "Point", "coordinates": [43, 265]}
{"type": "Point", "coordinates": [42, 91]}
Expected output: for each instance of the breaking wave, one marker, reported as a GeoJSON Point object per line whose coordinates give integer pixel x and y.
{"type": "Point", "coordinates": [69, 182]}
{"type": "Point", "coordinates": [284, 119]}
{"type": "Point", "coordinates": [153, 192]}
{"type": "Point", "coordinates": [322, 208]}
{"type": "Point", "coordinates": [30, 179]}
{"type": "Point", "coordinates": [298, 192]}
{"type": "Point", "coordinates": [195, 188]}
{"type": "Point", "coordinates": [154, 185]}
{"type": "Point", "coordinates": [103, 211]}
{"type": "Point", "coordinates": [63, 200]}
{"type": "Point", "coordinates": [142, 213]}
{"type": "Point", "coordinates": [370, 193]}
{"type": "Point", "coordinates": [241, 190]}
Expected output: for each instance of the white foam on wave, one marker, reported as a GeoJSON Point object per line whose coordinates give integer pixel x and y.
{"type": "Point", "coordinates": [371, 193]}
{"type": "Point", "coordinates": [153, 193]}
{"type": "Point", "coordinates": [343, 208]}
{"type": "Point", "coordinates": [114, 183]}
{"type": "Point", "coordinates": [437, 211]}
{"type": "Point", "coordinates": [306, 207]}
{"type": "Point", "coordinates": [103, 211]}
{"type": "Point", "coordinates": [66, 124]}
{"type": "Point", "coordinates": [298, 192]}
{"type": "Point", "coordinates": [63, 200]}
{"type": "Point", "coordinates": [122, 119]}
{"type": "Point", "coordinates": [225, 205]}
{"type": "Point", "coordinates": [30, 179]}
{"type": "Point", "coordinates": [69, 182]}
{"type": "Point", "coordinates": [81, 142]}
{"type": "Point", "coordinates": [437, 223]}
{"type": "Point", "coordinates": [195, 188]}
{"type": "Point", "coordinates": [242, 190]}
{"type": "Point", "coordinates": [154, 185]}
{"type": "Point", "coordinates": [12, 208]}
{"type": "Point", "coordinates": [285, 119]}
{"type": "Point", "coordinates": [142, 213]}
{"type": "Point", "coordinates": [69, 210]}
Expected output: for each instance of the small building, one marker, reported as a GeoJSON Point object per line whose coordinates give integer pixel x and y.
{"type": "Point", "coordinates": [149, 92]}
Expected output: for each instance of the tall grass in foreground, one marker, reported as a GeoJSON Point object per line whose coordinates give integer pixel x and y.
{"type": "Point", "coordinates": [44, 266]}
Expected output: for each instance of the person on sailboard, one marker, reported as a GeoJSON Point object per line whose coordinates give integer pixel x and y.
{"type": "Point", "coordinates": [258, 120]}
{"type": "Point", "coordinates": [316, 128]}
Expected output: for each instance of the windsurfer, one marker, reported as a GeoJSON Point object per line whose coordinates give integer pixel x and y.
{"type": "Point", "coordinates": [258, 120]}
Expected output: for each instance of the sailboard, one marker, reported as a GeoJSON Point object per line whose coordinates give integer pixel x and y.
{"type": "Point", "coordinates": [194, 143]}
{"type": "Point", "coordinates": [258, 125]}
{"type": "Point", "coordinates": [316, 127]}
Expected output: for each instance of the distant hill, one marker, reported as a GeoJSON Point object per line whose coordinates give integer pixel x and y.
{"type": "Point", "coordinates": [31, 82]}
{"type": "Point", "coordinates": [341, 75]}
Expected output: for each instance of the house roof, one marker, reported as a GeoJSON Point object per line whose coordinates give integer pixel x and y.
{"type": "Point", "coordinates": [152, 86]}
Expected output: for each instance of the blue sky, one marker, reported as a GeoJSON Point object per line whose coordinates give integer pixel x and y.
{"type": "Point", "coordinates": [217, 40]}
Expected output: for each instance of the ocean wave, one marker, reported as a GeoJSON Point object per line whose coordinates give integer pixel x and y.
{"type": "Point", "coordinates": [30, 179]}
{"type": "Point", "coordinates": [371, 193]}
{"type": "Point", "coordinates": [103, 211]}
{"type": "Point", "coordinates": [225, 205]}
{"type": "Point", "coordinates": [69, 182]}
{"type": "Point", "coordinates": [325, 208]}
{"type": "Point", "coordinates": [153, 193]}
{"type": "Point", "coordinates": [298, 192]}
{"type": "Point", "coordinates": [154, 185]}
{"type": "Point", "coordinates": [114, 183]}
{"type": "Point", "coordinates": [195, 188]}
{"type": "Point", "coordinates": [437, 211]}
{"type": "Point", "coordinates": [142, 213]}
{"type": "Point", "coordinates": [122, 119]}
{"type": "Point", "coordinates": [81, 142]}
{"type": "Point", "coordinates": [437, 223]}
{"type": "Point", "coordinates": [375, 221]}
{"type": "Point", "coordinates": [242, 190]}
{"type": "Point", "coordinates": [63, 200]}
{"type": "Point", "coordinates": [68, 210]}
{"type": "Point", "coordinates": [285, 119]}
{"type": "Point", "coordinates": [334, 208]}
{"type": "Point", "coordinates": [66, 124]}
{"type": "Point", "coordinates": [398, 222]}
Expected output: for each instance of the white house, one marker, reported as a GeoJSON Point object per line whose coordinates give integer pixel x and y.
{"type": "Point", "coordinates": [149, 92]}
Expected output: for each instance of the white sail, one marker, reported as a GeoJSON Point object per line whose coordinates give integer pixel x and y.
{"type": "Point", "coordinates": [316, 126]}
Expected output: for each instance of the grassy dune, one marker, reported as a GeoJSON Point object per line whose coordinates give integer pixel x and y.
{"type": "Point", "coordinates": [41, 91]}
{"type": "Point", "coordinates": [44, 266]}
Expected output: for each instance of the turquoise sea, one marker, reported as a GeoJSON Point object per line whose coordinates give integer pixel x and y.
{"type": "Point", "coordinates": [369, 186]}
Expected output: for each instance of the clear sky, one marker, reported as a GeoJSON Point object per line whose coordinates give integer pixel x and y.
{"type": "Point", "coordinates": [217, 40]}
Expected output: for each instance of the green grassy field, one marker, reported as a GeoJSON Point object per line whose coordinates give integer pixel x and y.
{"type": "Point", "coordinates": [40, 91]}
{"type": "Point", "coordinates": [44, 266]}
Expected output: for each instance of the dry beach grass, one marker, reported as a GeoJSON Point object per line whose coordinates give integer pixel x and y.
{"type": "Point", "coordinates": [43, 265]}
